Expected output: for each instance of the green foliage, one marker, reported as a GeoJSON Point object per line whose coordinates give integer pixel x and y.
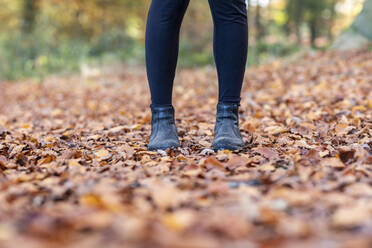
{"type": "Point", "coordinates": [39, 54]}
{"type": "Point", "coordinates": [39, 37]}
{"type": "Point", "coordinates": [317, 15]}
{"type": "Point", "coordinates": [33, 56]}
{"type": "Point", "coordinates": [265, 52]}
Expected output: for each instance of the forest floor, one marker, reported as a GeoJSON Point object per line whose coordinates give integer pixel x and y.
{"type": "Point", "coordinates": [75, 172]}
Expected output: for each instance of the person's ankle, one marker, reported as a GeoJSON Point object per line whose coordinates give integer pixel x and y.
{"type": "Point", "coordinates": [229, 102]}
{"type": "Point", "coordinates": [157, 105]}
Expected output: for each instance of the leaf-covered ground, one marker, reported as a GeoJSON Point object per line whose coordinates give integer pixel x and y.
{"type": "Point", "coordinates": [75, 172]}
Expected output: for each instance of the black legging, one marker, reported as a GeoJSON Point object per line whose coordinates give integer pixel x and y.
{"type": "Point", "coordinates": [230, 46]}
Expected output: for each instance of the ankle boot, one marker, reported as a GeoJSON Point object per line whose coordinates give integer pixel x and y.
{"type": "Point", "coordinates": [226, 132]}
{"type": "Point", "coordinates": [163, 129]}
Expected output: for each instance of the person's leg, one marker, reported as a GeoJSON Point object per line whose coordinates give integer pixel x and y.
{"type": "Point", "coordinates": [162, 44]}
{"type": "Point", "coordinates": [230, 52]}
{"type": "Point", "coordinates": [230, 46]}
{"type": "Point", "coordinates": [162, 41]}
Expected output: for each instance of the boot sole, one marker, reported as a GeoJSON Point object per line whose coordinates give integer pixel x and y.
{"type": "Point", "coordinates": [163, 148]}
{"type": "Point", "coordinates": [226, 147]}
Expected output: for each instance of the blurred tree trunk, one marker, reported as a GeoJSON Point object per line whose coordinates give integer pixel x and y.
{"type": "Point", "coordinates": [314, 28]}
{"type": "Point", "coordinates": [258, 24]}
{"type": "Point", "coordinates": [260, 29]}
{"type": "Point", "coordinates": [30, 9]}
{"type": "Point", "coordinates": [249, 13]}
{"type": "Point", "coordinates": [298, 20]}
{"type": "Point", "coordinates": [295, 13]}
{"type": "Point", "coordinates": [332, 19]}
{"type": "Point", "coordinates": [359, 33]}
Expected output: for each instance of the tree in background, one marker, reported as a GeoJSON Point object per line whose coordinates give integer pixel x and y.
{"type": "Point", "coordinates": [30, 9]}
{"type": "Point", "coordinates": [317, 15]}
{"type": "Point", "coordinates": [294, 10]}
{"type": "Point", "coordinates": [44, 36]}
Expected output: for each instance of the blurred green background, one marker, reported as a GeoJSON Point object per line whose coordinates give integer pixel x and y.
{"type": "Point", "coordinates": [40, 37]}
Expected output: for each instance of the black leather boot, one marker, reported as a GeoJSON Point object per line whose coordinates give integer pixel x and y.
{"type": "Point", "coordinates": [163, 129]}
{"type": "Point", "coordinates": [226, 132]}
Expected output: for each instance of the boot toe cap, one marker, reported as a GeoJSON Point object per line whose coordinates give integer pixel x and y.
{"type": "Point", "coordinates": [227, 143]}
{"type": "Point", "coordinates": [163, 145]}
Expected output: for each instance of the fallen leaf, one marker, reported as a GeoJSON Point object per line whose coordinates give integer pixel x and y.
{"type": "Point", "coordinates": [179, 220]}
{"type": "Point", "coordinates": [267, 152]}
{"type": "Point", "coordinates": [332, 162]}
{"type": "Point", "coordinates": [236, 162]}
{"type": "Point", "coordinates": [267, 167]}
{"type": "Point", "coordinates": [212, 162]}
{"type": "Point", "coordinates": [274, 130]}
{"type": "Point", "coordinates": [349, 217]}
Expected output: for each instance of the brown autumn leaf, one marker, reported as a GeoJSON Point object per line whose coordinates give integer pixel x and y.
{"type": "Point", "coordinates": [267, 152]}
{"type": "Point", "coordinates": [212, 162]}
{"type": "Point", "coordinates": [267, 167]}
{"type": "Point", "coordinates": [166, 195]}
{"type": "Point", "coordinates": [179, 220]}
{"type": "Point", "coordinates": [342, 129]}
{"type": "Point", "coordinates": [101, 153]}
{"type": "Point", "coordinates": [295, 228]}
{"type": "Point", "coordinates": [351, 216]}
{"type": "Point", "coordinates": [47, 159]}
{"type": "Point", "coordinates": [346, 155]}
{"type": "Point", "coordinates": [236, 162]}
{"type": "Point", "coordinates": [117, 129]}
{"type": "Point", "coordinates": [3, 162]}
{"type": "Point", "coordinates": [107, 202]}
{"type": "Point", "coordinates": [274, 130]}
{"type": "Point", "coordinates": [333, 162]}
{"type": "Point", "coordinates": [16, 150]}
{"type": "Point", "coordinates": [313, 156]}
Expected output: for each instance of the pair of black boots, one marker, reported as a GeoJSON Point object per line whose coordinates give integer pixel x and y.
{"type": "Point", "coordinates": [226, 132]}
